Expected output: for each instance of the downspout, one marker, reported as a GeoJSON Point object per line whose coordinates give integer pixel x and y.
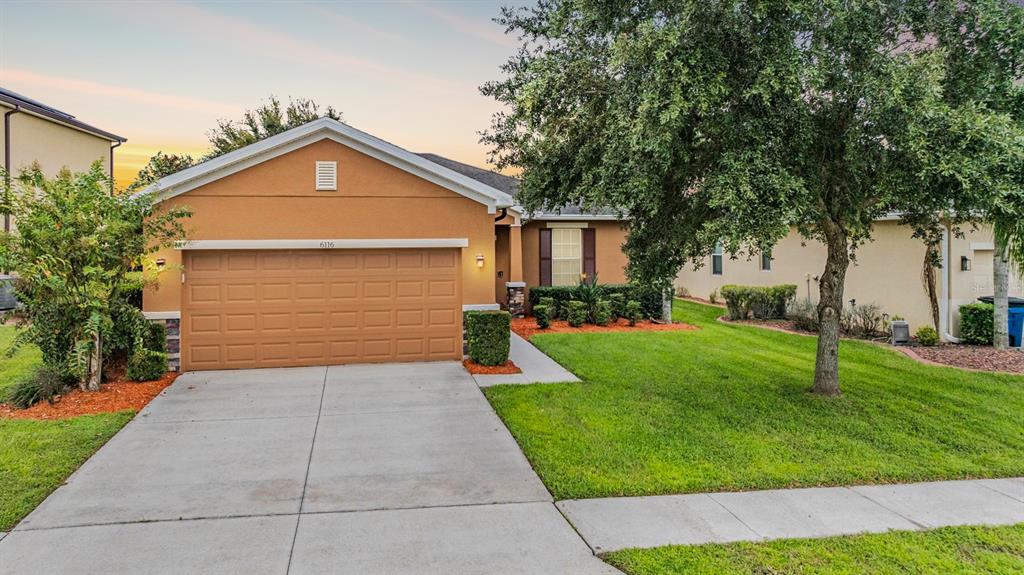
{"type": "Point", "coordinates": [501, 214]}
{"type": "Point", "coordinates": [7, 160]}
{"type": "Point", "coordinates": [946, 286]}
{"type": "Point", "coordinates": [116, 144]}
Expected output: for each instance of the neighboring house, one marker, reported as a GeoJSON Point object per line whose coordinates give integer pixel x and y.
{"type": "Point", "coordinates": [888, 271]}
{"type": "Point", "coordinates": [326, 245]}
{"type": "Point", "coordinates": [37, 133]}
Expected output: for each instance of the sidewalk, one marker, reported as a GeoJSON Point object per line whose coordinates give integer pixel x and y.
{"type": "Point", "coordinates": [536, 365]}
{"type": "Point", "coordinates": [618, 523]}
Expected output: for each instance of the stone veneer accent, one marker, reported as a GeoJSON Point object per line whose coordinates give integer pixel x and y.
{"type": "Point", "coordinates": [516, 298]}
{"type": "Point", "coordinates": [173, 327]}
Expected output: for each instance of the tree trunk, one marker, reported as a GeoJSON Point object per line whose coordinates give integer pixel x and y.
{"type": "Point", "coordinates": [931, 255]}
{"type": "Point", "coordinates": [95, 365]}
{"type": "Point", "coordinates": [830, 309]}
{"type": "Point", "coordinates": [1001, 283]}
{"type": "Point", "coordinates": [666, 305]}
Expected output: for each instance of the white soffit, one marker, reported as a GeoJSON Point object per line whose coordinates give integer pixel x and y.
{"type": "Point", "coordinates": [324, 244]}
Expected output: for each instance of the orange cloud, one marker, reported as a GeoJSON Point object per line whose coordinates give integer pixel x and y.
{"type": "Point", "coordinates": [488, 31]}
{"type": "Point", "coordinates": [19, 76]}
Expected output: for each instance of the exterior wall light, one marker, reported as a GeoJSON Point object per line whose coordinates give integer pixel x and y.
{"type": "Point", "coordinates": [480, 260]}
{"type": "Point", "coordinates": [161, 262]}
{"type": "Point", "coordinates": [965, 264]}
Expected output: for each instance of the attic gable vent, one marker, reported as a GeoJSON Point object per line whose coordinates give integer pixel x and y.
{"type": "Point", "coordinates": [326, 176]}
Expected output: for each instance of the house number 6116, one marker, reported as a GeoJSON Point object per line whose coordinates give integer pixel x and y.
{"type": "Point", "coordinates": [326, 245]}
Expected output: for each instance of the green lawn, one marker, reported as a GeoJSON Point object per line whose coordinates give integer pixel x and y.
{"type": "Point", "coordinates": [949, 551]}
{"type": "Point", "coordinates": [13, 368]}
{"type": "Point", "coordinates": [728, 408]}
{"type": "Point", "coordinates": [37, 456]}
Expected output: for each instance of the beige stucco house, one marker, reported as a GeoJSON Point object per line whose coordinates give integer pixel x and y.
{"type": "Point", "coordinates": [887, 272]}
{"type": "Point", "coordinates": [37, 133]}
{"type": "Point", "coordinates": [327, 245]}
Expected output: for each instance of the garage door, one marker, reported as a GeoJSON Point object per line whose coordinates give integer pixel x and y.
{"type": "Point", "coordinates": [277, 308]}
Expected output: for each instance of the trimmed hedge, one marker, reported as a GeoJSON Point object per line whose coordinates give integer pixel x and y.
{"type": "Point", "coordinates": [927, 336]}
{"type": "Point", "coordinates": [146, 365]}
{"type": "Point", "coordinates": [633, 312]}
{"type": "Point", "coordinates": [603, 313]}
{"type": "Point", "coordinates": [977, 323]}
{"type": "Point", "coordinates": [575, 313]}
{"type": "Point", "coordinates": [488, 335]}
{"type": "Point", "coordinates": [542, 314]}
{"type": "Point", "coordinates": [648, 297]}
{"type": "Point", "coordinates": [764, 302]}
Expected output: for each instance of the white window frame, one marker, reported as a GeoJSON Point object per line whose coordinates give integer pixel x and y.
{"type": "Point", "coordinates": [566, 279]}
{"type": "Point", "coordinates": [718, 253]}
{"type": "Point", "coordinates": [333, 185]}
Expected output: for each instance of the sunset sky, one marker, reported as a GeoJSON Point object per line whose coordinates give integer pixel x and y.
{"type": "Point", "coordinates": [162, 73]}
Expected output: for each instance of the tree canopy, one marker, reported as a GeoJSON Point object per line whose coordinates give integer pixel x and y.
{"type": "Point", "coordinates": [730, 121]}
{"type": "Point", "coordinates": [266, 120]}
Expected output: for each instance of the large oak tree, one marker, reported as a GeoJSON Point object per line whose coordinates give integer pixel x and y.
{"type": "Point", "coordinates": [732, 120]}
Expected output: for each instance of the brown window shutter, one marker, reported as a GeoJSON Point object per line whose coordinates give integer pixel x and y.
{"type": "Point", "coordinates": [589, 252]}
{"type": "Point", "coordinates": [545, 257]}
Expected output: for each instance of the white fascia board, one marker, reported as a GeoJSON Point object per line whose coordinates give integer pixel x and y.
{"type": "Point", "coordinates": [481, 307]}
{"type": "Point", "coordinates": [326, 128]}
{"type": "Point", "coordinates": [325, 244]}
{"type": "Point", "coordinates": [162, 314]}
{"type": "Point", "coordinates": [576, 217]}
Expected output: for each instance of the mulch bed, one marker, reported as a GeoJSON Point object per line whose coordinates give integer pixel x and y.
{"type": "Point", "coordinates": [116, 396]}
{"type": "Point", "coordinates": [527, 327]}
{"type": "Point", "coordinates": [504, 369]}
{"type": "Point", "coordinates": [980, 358]}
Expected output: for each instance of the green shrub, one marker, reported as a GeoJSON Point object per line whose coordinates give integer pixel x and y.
{"type": "Point", "coordinates": [488, 334]}
{"type": "Point", "coordinates": [617, 301]}
{"type": "Point", "coordinates": [43, 382]}
{"type": "Point", "coordinates": [552, 307]}
{"type": "Point", "coordinates": [575, 313]}
{"type": "Point", "coordinates": [764, 302]}
{"type": "Point", "coordinates": [649, 297]}
{"type": "Point", "coordinates": [127, 326]}
{"type": "Point", "coordinates": [650, 300]}
{"type": "Point", "coordinates": [867, 319]}
{"type": "Point", "coordinates": [927, 336]}
{"type": "Point", "coordinates": [713, 296]}
{"type": "Point", "coordinates": [804, 315]}
{"type": "Point", "coordinates": [156, 337]}
{"type": "Point", "coordinates": [634, 312]}
{"type": "Point", "coordinates": [542, 314]}
{"type": "Point", "coordinates": [603, 313]}
{"type": "Point", "coordinates": [146, 365]}
{"type": "Point", "coordinates": [977, 321]}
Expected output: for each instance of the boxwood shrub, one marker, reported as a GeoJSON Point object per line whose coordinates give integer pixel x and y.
{"type": "Point", "coordinates": [977, 322]}
{"type": "Point", "coordinates": [575, 313]}
{"type": "Point", "coordinates": [648, 297]}
{"type": "Point", "coordinates": [542, 313]}
{"type": "Point", "coordinates": [487, 333]}
{"type": "Point", "coordinates": [146, 365]}
{"type": "Point", "coordinates": [603, 313]}
{"type": "Point", "coordinates": [633, 312]}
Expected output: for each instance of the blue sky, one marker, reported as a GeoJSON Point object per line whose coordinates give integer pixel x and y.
{"type": "Point", "coordinates": [162, 73]}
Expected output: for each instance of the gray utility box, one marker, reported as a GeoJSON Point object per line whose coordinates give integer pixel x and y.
{"type": "Point", "coordinates": [900, 332]}
{"type": "Point", "coordinates": [7, 299]}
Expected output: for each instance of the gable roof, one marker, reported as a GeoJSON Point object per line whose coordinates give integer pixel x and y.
{"type": "Point", "coordinates": [37, 108]}
{"type": "Point", "coordinates": [325, 128]}
{"type": "Point", "coordinates": [510, 186]}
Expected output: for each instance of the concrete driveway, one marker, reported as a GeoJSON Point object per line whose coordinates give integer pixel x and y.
{"type": "Point", "coordinates": [400, 468]}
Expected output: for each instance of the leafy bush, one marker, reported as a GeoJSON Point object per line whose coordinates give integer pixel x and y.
{"type": "Point", "coordinates": [713, 297]}
{"type": "Point", "coordinates": [649, 297]}
{"type": "Point", "coordinates": [575, 313]}
{"type": "Point", "coordinates": [867, 319]}
{"type": "Point", "coordinates": [156, 337]}
{"type": "Point", "coordinates": [542, 314]}
{"type": "Point", "coordinates": [488, 334]}
{"type": "Point", "coordinates": [617, 301]}
{"type": "Point", "coordinates": [128, 326]}
{"type": "Point", "coordinates": [551, 305]}
{"type": "Point", "coordinates": [146, 365]}
{"type": "Point", "coordinates": [44, 382]}
{"type": "Point", "coordinates": [977, 323]}
{"type": "Point", "coordinates": [770, 302]}
{"type": "Point", "coordinates": [590, 293]}
{"type": "Point", "coordinates": [603, 313]}
{"type": "Point", "coordinates": [804, 315]}
{"type": "Point", "coordinates": [634, 313]}
{"type": "Point", "coordinates": [927, 336]}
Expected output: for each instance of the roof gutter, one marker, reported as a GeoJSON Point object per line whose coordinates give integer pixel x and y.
{"type": "Point", "coordinates": [111, 172]}
{"type": "Point", "coordinates": [7, 161]}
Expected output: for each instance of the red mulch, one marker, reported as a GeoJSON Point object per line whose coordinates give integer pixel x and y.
{"type": "Point", "coordinates": [527, 327]}
{"type": "Point", "coordinates": [115, 396]}
{"type": "Point", "coordinates": [503, 369]}
{"type": "Point", "coordinates": [975, 357]}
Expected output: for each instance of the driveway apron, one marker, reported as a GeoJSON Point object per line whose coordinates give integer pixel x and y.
{"type": "Point", "coordinates": [392, 468]}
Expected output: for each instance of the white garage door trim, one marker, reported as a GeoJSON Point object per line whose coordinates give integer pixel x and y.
{"type": "Point", "coordinates": [324, 244]}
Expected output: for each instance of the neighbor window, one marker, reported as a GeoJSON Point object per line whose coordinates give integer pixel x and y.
{"type": "Point", "coordinates": [716, 260]}
{"type": "Point", "coordinates": [766, 261]}
{"type": "Point", "coordinates": [566, 256]}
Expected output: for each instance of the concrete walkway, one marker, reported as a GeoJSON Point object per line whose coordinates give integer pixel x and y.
{"type": "Point", "coordinates": [536, 365]}
{"type": "Point", "coordinates": [622, 522]}
{"type": "Point", "coordinates": [369, 469]}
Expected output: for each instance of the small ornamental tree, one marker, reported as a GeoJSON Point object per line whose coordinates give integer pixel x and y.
{"type": "Point", "coordinates": [734, 120]}
{"type": "Point", "coordinates": [76, 250]}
